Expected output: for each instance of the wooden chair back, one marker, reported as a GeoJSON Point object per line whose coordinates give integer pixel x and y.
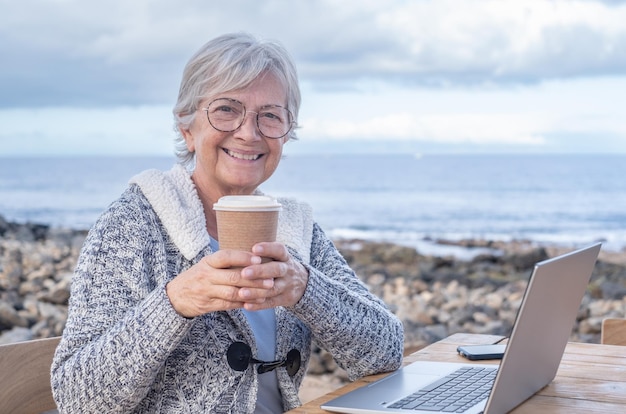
{"type": "Point", "coordinates": [25, 376]}
{"type": "Point", "coordinates": [613, 331]}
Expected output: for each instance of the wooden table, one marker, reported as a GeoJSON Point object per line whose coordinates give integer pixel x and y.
{"type": "Point", "coordinates": [590, 379]}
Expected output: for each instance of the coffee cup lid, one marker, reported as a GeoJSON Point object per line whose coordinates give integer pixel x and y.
{"type": "Point", "coordinates": [247, 203]}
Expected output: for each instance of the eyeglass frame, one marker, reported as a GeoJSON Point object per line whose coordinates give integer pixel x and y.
{"type": "Point", "coordinates": [245, 112]}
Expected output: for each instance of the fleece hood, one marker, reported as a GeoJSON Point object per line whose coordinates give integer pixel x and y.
{"type": "Point", "coordinates": [174, 198]}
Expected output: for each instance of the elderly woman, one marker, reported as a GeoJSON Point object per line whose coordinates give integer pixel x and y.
{"type": "Point", "coordinates": [161, 320]}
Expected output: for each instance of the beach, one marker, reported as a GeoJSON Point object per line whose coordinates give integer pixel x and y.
{"type": "Point", "coordinates": [434, 295]}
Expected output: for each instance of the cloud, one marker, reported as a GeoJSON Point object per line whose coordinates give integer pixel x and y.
{"type": "Point", "coordinates": [71, 52]}
{"type": "Point", "coordinates": [537, 118]}
{"type": "Point", "coordinates": [509, 41]}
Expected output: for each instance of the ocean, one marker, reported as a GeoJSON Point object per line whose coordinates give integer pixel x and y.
{"type": "Point", "coordinates": [569, 200]}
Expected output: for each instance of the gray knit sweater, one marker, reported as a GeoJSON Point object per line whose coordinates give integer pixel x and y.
{"type": "Point", "coordinates": [126, 350]}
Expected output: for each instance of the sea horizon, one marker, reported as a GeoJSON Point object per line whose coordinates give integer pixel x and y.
{"type": "Point", "coordinates": [410, 199]}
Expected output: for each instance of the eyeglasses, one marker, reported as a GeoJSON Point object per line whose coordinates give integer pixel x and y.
{"type": "Point", "coordinates": [227, 115]}
{"type": "Point", "coordinates": [239, 356]}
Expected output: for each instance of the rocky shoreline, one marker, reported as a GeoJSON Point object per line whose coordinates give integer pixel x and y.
{"type": "Point", "coordinates": [434, 296]}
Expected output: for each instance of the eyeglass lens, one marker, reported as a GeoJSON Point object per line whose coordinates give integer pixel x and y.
{"type": "Point", "coordinates": [239, 356]}
{"type": "Point", "coordinates": [227, 115]}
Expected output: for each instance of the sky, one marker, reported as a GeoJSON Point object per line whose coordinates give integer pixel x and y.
{"type": "Point", "coordinates": [444, 76]}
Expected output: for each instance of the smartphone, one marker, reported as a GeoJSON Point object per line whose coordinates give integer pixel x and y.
{"type": "Point", "coordinates": [481, 352]}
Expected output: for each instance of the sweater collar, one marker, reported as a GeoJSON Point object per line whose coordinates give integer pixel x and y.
{"type": "Point", "coordinates": [174, 198]}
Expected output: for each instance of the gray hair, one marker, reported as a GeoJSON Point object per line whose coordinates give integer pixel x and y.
{"type": "Point", "coordinates": [227, 63]}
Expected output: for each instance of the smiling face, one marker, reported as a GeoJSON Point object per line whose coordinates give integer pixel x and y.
{"type": "Point", "coordinates": [231, 163]}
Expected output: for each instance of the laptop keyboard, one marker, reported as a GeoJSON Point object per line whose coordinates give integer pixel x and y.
{"type": "Point", "coordinates": [454, 393]}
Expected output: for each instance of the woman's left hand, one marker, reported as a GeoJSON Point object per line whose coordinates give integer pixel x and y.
{"type": "Point", "coordinates": [290, 278]}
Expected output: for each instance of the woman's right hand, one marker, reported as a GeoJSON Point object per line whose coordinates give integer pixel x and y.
{"type": "Point", "coordinates": [213, 283]}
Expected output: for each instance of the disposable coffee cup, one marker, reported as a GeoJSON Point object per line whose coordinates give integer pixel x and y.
{"type": "Point", "coordinates": [243, 221]}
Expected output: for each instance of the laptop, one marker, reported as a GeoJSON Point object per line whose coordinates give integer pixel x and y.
{"type": "Point", "coordinates": [541, 331]}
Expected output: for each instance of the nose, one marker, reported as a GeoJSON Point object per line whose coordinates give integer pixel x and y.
{"type": "Point", "coordinates": [248, 129]}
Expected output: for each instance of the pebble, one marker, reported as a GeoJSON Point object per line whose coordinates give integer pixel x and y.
{"type": "Point", "coordinates": [433, 296]}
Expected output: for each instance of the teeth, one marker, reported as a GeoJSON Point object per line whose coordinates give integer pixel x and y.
{"type": "Point", "coordinates": [248, 157]}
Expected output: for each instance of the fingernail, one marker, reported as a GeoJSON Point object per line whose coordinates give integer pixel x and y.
{"type": "Point", "coordinates": [268, 283]}
{"type": "Point", "coordinates": [257, 249]}
{"type": "Point", "coordinates": [256, 260]}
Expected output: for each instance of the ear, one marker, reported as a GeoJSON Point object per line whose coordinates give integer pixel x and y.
{"type": "Point", "coordinates": [188, 137]}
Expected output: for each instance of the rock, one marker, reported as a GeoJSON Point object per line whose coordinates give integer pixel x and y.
{"type": "Point", "coordinates": [36, 266]}
{"type": "Point", "coordinates": [15, 335]}
{"type": "Point", "coordinates": [58, 293]}
{"type": "Point", "coordinates": [11, 269]}
{"type": "Point", "coordinates": [525, 260]}
{"type": "Point", "coordinates": [433, 296]}
{"type": "Point", "coordinates": [9, 317]}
